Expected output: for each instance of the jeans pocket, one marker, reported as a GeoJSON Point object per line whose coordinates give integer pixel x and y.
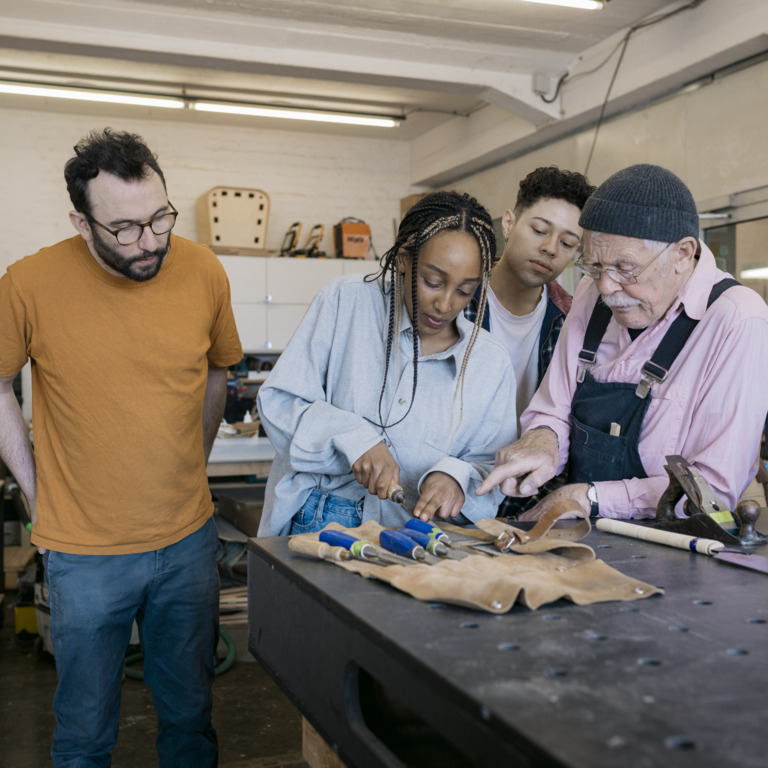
{"type": "Point", "coordinates": [322, 508]}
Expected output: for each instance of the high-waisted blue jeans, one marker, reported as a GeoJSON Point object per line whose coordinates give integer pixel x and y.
{"type": "Point", "coordinates": [322, 508]}
{"type": "Point", "coordinates": [173, 594]}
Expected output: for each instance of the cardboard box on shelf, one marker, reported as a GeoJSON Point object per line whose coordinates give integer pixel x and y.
{"type": "Point", "coordinates": [242, 507]}
{"type": "Point", "coordinates": [407, 203]}
{"type": "Point", "coordinates": [352, 239]}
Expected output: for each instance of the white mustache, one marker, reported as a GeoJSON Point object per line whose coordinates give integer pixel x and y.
{"type": "Point", "coordinates": [619, 300]}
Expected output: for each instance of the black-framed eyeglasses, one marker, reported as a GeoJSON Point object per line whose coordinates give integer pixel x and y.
{"type": "Point", "coordinates": [131, 234]}
{"type": "Point", "coordinates": [622, 276]}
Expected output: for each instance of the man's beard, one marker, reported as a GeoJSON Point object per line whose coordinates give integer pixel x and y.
{"type": "Point", "coordinates": [127, 267]}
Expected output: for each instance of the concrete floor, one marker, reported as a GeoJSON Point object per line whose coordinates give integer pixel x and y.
{"type": "Point", "coordinates": [257, 725]}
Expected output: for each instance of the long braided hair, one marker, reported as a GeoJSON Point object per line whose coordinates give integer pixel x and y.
{"type": "Point", "coordinates": [435, 213]}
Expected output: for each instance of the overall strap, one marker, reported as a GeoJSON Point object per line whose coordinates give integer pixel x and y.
{"type": "Point", "coordinates": [598, 322]}
{"type": "Point", "coordinates": [657, 368]}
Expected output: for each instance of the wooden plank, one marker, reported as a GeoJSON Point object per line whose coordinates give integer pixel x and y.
{"type": "Point", "coordinates": [315, 750]}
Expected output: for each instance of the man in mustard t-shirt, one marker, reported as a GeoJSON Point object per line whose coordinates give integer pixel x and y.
{"type": "Point", "coordinates": [129, 330]}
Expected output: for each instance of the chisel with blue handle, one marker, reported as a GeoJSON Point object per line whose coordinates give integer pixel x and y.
{"type": "Point", "coordinates": [361, 549]}
{"type": "Point", "coordinates": [428, 529]}
{"type": "Point", "coordinates": [437, 534]}
{"type": "Point", "coordinates": [400, 544]}
{"type": "Point", "coordinates": [431, 545]}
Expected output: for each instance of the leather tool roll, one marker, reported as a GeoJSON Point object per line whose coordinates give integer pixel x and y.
{"type": "Point", "coordinates": [549, 566]}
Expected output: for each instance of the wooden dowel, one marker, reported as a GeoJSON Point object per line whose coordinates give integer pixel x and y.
{"type": "Point", "coordinates": [679, 540]}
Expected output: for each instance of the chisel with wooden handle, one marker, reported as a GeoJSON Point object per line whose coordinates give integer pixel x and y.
{"type": "Point", "coordinates": [318, 549]}
{"type": "Point", "coordinates": [714, 549]}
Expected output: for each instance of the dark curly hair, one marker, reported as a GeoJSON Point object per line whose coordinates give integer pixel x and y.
{"type": "Point", "coordinates": [550, 182]}
{"type": "Point", "coordinates": [122, 154]}
{"type": "Point", "coordinates": [435, 213]}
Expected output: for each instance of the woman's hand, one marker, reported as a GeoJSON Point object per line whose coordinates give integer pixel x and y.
{"type": "Point", "coordinates": [440, 495]}
{"type": "Point", "coordinates": [376, 469]}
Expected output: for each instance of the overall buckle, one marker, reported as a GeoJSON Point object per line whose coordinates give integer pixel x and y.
{"type": "Point", "coordinates": [651, 374]}
{"type": "Point", "coordinates": [587, 359]}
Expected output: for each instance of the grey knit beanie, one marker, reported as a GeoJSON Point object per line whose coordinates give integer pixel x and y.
{"type": "Point", "coordinates": [643, 201]}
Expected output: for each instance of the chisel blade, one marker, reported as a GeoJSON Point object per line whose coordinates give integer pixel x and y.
{"type": "Point", "coordinates": [745, 560]}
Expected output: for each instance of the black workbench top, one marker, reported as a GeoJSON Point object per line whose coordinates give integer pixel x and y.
{"type": "Point", "coordinates": [678, 679]}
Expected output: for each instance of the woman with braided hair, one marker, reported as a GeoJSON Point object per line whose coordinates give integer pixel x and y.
{"type": "Point", "coordinates": [386, 381]}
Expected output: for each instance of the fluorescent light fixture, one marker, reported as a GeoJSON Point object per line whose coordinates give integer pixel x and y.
{"type": "Point", "coordinates": [81, 94]}
{"type": "Point", "coordinates": [587, 5]}
{"type": "Point", "coordinates": [294, 114]}
{"type": "Point", "coordinates": [754, 273]}
{"type": "Point", "coordinates": [174, 102]}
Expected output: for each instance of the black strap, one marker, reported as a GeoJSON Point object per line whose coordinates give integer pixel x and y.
{"type": "Point", "coordinates": [598, 322]}
{"type": "Point", "coordinates": [678, 334]}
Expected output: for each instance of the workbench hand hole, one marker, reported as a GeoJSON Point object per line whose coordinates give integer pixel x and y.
{"type": "Point", "coordinates": [679, 742]}
{"type": "Point", "coordinates": [596, 638]}
{"type": "Point", "coordinates": [645, 662]}
{"type": "Point", "coordinates": [737, 652]}
{"type": "Point", "coordinates": [638, 557]}
{"type": "Point", "coordinates": [469, 625]}
{"type": "Point", "coordinates": [702, 602]}
{"type": "Point", "coordinates": [756, 621]}
{"type": "Point", "coordinates": [508, 647]}
{"type": "Point", "coordinates": [676, 628]}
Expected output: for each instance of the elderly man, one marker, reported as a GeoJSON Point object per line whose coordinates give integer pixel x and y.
{"type": "Point", "coordinates": [662, 354]}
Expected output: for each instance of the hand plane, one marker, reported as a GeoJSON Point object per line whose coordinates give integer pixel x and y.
{"type": "Point", "coordinates": [707, 515]}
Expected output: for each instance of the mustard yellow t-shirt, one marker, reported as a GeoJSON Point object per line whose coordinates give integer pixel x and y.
{"type": "Point", "coordinates": [119, 371]}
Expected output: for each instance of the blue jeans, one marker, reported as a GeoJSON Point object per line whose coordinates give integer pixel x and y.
{"type": "Point", "coordinates": [322, 508]}
{"type": "Point", "coordinates": [173, 594]}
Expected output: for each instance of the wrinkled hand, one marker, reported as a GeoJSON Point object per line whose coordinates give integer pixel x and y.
{"type": "Point", "coordinates": [376, 469]}
{"type": "Point", "coordinates": [524, 466]}
{"type": "Point", "coordinates": [576, 492]}
{"type": "Point", "coordinates": [440, 495]}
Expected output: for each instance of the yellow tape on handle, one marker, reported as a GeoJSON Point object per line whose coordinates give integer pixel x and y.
{"type": "Point", "coordinates": [679, 540]}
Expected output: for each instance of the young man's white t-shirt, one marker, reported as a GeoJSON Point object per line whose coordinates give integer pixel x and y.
{"type": "Point", "coordinates": [520, 337]}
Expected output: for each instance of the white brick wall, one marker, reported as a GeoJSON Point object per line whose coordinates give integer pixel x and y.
{"type": "Point", "coordinates": [309, 177]}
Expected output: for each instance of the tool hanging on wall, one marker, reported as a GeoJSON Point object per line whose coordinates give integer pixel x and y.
{"type": "Point", "coordinates": [291, 239]}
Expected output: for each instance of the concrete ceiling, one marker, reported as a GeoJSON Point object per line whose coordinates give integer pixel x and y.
{"type": "Point", "coordinates": [463, 73]}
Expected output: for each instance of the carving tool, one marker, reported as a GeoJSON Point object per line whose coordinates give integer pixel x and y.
{"type": "Point", "coordinates": [400, 544]}
{"type": "Point", "coordinates": [431, 530]}
{"type": "Point", "coordinates": [432, 545]}
{"type": "Point", "coordinates": [714, 549]}
{"type": "Point", "coordinates": [362, 549]}
{"type": "Point", "coordinates": [318, 549]}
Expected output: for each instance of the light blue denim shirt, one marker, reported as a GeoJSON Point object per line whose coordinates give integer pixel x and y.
{"type": "Point", "coordinates": [314, 403]}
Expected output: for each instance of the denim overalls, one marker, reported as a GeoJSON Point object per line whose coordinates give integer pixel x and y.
{"type": "Point", "coordinates": [595, 454]}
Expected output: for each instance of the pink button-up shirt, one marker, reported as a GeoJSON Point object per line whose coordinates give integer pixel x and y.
{"type": "Point", "coordinates": [710, 409]}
